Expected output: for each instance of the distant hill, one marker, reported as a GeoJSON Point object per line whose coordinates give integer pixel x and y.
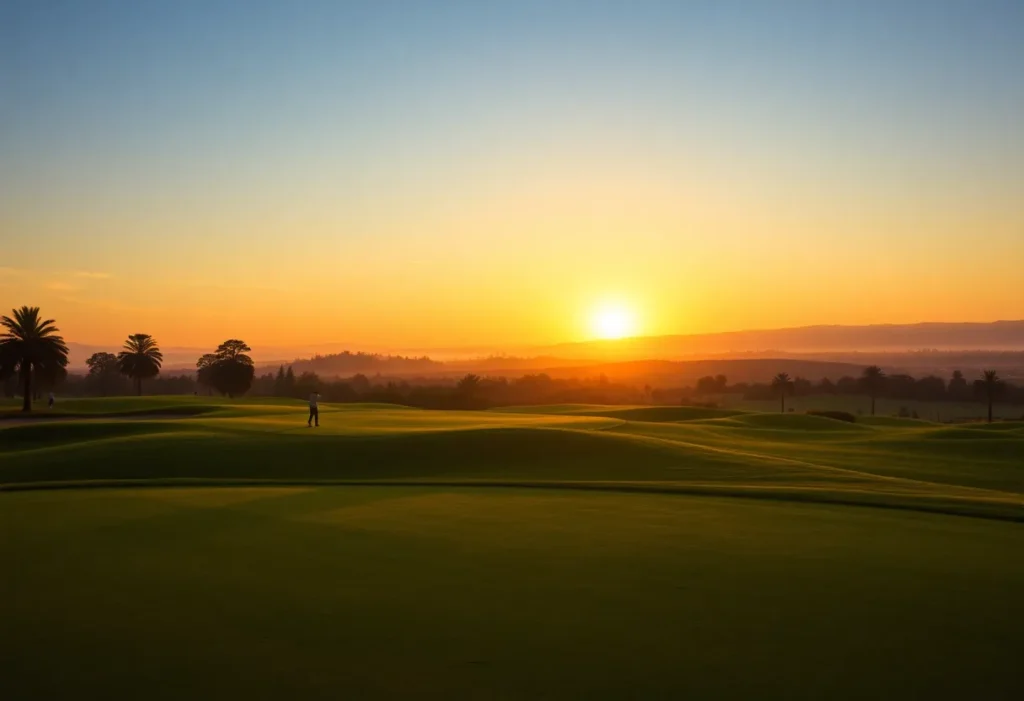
{"type": "Point", "coordinates": [665, 373]}
{"type": "Point", "coordinates": [997, 335]}
{"type": "Point", "coordinates": [817, 351]}
{"type": "Point", "coordinates": [346, 364]}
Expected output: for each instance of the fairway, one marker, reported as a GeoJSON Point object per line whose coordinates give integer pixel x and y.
{"type": "Point", "coordinates": [223, 549]}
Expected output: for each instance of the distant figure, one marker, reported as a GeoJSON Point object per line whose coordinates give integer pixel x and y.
{"type": "Point", "coordinates": [49, 405]}
{"type": "Point", "coordinates": [314, 412]}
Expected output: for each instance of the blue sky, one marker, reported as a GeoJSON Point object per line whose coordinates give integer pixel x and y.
{"type": "Point", "coordinates": [136, 135]}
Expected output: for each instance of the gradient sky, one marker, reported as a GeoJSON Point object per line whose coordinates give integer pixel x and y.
{"type": "Point", "coordinates": [414, 174]}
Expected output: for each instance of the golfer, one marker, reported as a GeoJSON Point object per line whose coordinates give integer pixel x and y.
{"type": "Point", "coordinates": [314, 412]}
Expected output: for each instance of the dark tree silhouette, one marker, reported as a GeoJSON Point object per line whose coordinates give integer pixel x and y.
{"type": "Point", "coordinates": [31, 346]}
{"type": "Point", "coordinates": [958, 388]}
{"type": "Point", "coordinates": [992, 384]}
{"type": "Point", "coordinates": [204, 370]}
{"type": "Point", "coordinates": [873, 379]}
{"type": "Point", "coordinates": [467, 391]}
{"type": "Point", "coordinates": [104, 369]}
{"type": "Point", "coordinates": [468, 385]}
{"type": "Point", "coordinates": [782, 385]}
{"type": "Point", "coordinates": [141, 359]}
{"type": "Point", "coordinates": [47, 378]}
{"type": "Point", "coordinates": [230, 370]}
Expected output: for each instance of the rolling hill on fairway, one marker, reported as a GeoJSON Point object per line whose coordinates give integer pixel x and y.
{"type": "Point", "coordinates": [910, 464]}
{"type": "Point", "coordinates": [574, 551]}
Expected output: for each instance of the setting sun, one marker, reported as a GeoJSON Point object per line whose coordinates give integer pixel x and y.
{"type": "Point", "coordinates": [611, 322]}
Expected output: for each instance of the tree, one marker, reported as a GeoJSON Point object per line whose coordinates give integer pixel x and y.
{"type": "Point", "coordinates": [781, 385]}
{"type": "Point", "coordinates": [468, 385]}
{"type": "Point", "coordinates": [47, 378]}
{"type": "Point", "coordinates": [467, 390]}
{"type": "Point", "coordinates": [802, 386]}
{"type": "Point", "coordinates": [103, 369]}
{"type": "Point", "coordinates": [991, 384]}
{"type": "Point", "coordinates": [141, 359]}
{"type": "Point", "coordinates": [231, 370]}
{"type": "Point", "coordinates": [706, 385]}
{"type": "Point", "coordinates": [930, 388]}
{"type": "Point", "coordinates": [958, 388]}
{"type": "Point", "coordinates": [304, 385]}
{"type": "Point", "coordinates": [360, 383]}
{"type": "Point", "coordinates": [31, 346]}
{"type": "Point", "coordinates": [204, 370]}
{"type": "Point", "coordinates": [873, 379]}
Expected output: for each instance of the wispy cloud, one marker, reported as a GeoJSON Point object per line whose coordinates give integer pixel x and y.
{"type": "Point", "coordinates": [5, 271]}
{"type": "Point", "coordinates": [92, 275]}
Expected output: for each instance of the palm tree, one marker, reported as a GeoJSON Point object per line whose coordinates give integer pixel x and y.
{"type": "Point", "coordinates": [873, 379]}
{"type": "Point", "coordinates": [991, 382]}
{"type": "Point", "coordinates": [782, 384]}
{"type": "Point", "coordinates": [31, 346]}
{"type": "Point", "coordinates": [140, 359]}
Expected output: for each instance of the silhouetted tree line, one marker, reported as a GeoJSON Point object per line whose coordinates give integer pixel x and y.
{"type": "Point", "coordinates": [229, 370]}
{"type": "Point", "coordinates": [347, 363]}
{"type": "Point", "coordinates": [476, 392]}
{"type": "Point", "coordinates": [875, 384]}
{"type": "Point", "coordinates": [468, 392]}
{"type": "Point", "coordinates": [33, 359]}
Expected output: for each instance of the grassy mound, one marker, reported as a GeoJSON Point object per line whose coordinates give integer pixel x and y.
{"type": "Point", "coordinates": [633, 413]}
{"type": "Point", "coordinates": [660, 414]}
{"type": "Point", "coordinates": [795, 422]}
{"type": "Point", "coordinates": [47, 434]}
{"type": "Point", "coordinates": [652, 448]}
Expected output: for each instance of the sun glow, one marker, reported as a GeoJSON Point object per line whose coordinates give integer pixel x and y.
{"type": "Point", "coordinates": [613, 321]}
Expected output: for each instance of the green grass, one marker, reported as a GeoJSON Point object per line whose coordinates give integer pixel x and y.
{"type": "Point", "coordinates": [567, 552]}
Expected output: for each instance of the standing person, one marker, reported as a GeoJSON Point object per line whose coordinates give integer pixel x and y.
{"type": "Point", "coordinates": [314, 412]}
{"type": "Point", "coordinates": [49, 404]}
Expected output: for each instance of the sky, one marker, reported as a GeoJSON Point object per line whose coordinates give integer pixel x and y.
{"type": "Point", "coordinates": [500, 174]}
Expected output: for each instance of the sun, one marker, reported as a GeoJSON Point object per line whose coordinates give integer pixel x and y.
{"type": "Point", "coordinates": [613, 321]}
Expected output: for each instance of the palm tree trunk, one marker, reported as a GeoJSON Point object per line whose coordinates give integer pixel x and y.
{"type": "Point", "coordinates": [872, 405]}
{"type": "Point", "coordinates": [990, 407]}
{"type": "Point", "coordinates": [26, 402]}
{"type": "Point", "coordinates": [138, 386]}
{"type": "Point", "coordinates": [782, 398]}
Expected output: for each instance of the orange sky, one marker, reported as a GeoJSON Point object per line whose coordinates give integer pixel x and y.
{"type": "Point", "coordinates": [491, 176]}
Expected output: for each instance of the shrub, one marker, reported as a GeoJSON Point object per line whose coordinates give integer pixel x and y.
{"type": "Point", "coordinates": [837, 415]}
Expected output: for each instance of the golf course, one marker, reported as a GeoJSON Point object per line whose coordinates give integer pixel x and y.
{"type": "Point", "coordinates": [197, 547]}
